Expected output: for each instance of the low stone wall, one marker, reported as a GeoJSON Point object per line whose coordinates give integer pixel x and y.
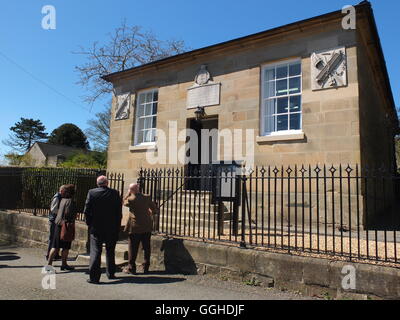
{"type": "Point", "coordinates": [34, 231]}
{"type": "Point", "coordinates": [309, 275]}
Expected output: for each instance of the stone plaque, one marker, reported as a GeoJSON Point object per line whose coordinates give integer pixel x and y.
{"type": "Point", "coordinates": [329, 69]}
{"type": "Point", "coordinates": [203, 96]}
{"type": "Point", "coordinates": [123, 106]}
{"type": "Point", "coordinates": [204, 92]}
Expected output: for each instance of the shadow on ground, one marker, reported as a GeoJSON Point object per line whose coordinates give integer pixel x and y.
{"type": "Point", "coordinates": [177, 258]}
{"type": "Point", "coordinates": [144, 280]}
{"type": "Point", "coordinates": [8, 256]}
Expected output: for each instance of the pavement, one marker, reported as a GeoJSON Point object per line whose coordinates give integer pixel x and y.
{"type": "Point", "coordinates": [21, 279]}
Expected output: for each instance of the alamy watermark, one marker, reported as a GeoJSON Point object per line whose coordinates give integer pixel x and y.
{"type": "Point", "coordinates": [349, 20]}
{"type": "Point", "coordinates": [349, 279]}
{"type": "Point", "coordinates": [49, 278]}
{"type": "Point", "coordinates": [49, 20]}
{"type": "Point", "coordinates": [183, 147]}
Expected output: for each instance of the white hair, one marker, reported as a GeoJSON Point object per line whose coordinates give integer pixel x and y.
{"type": "Point", "coordinates": [102, 181]}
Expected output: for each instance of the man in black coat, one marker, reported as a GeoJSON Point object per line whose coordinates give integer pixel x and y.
{"type": "Point", "coordinates": [103, 211]}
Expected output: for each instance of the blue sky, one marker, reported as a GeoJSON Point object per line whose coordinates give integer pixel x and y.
{"type": "Point", "coordinates": [37, 66]}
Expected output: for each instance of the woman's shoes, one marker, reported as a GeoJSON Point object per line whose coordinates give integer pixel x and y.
{"type": "Point", "coordinates": [68, 268]}
{"type": "Point", "coordinates": [128, 270]}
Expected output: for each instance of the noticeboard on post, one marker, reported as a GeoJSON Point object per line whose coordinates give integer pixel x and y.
{"type": "Point", "coordinates": [226, 186]}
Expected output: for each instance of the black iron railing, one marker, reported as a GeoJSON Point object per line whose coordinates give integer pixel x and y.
{"type": "Point", "coordinates": [335, 210]}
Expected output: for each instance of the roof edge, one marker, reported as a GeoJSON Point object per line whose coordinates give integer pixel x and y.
{"type": "Point", "coordinates": [201, 51]}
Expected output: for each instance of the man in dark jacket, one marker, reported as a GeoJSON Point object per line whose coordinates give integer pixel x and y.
{"type": "Point", "coordinates": [103, 211]}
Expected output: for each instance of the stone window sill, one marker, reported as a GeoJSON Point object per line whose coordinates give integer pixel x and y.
{"type": "Point", "coordinates": [149, 147]}
{"type": "Point", "coordinates": [281, 138]}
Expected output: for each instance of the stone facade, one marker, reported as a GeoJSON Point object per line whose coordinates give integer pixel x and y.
{"type": "Point", "coordinates": [354, 123]}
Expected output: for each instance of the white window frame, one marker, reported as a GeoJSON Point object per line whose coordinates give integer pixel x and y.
{"type": "Point", "coordinates": [137, 118]}
{"type": "Point", "coordinates": [264, 99]}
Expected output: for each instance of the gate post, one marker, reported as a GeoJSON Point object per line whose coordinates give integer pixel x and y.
{"type": "Point", "coordinates": [244, 195]}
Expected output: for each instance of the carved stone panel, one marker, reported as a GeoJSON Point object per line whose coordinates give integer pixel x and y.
{"type": "Point", "coordinates": [123, 106]}
{"type": "Point", "coordinates": [329, 69]}
{"type": "Point", "coordinates": [204, 92]}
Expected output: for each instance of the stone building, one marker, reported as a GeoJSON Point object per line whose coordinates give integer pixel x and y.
{"type": "Point", "coordinates": [51, 155]}
{"type": "Point", "coordinates": [315, 91]}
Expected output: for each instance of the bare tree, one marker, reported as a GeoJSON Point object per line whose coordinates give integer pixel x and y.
{"type": "Point", "coordinates": [127, 47]}
{"type": "Point", "coordinates": [99, 129]}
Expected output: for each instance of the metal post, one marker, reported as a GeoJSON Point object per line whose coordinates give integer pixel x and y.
{"type": "Point", "coordinates": [244, 195]}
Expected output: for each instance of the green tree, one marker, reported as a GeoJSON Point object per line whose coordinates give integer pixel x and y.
{"type": "Point", "coordinates": [95, 160]}
{"type": "Point", "coordinates": [25, 133]}
{"type": "Point", "coordinates": [15, 159]}
{"type": "Point", "coordinates": [69, 135]}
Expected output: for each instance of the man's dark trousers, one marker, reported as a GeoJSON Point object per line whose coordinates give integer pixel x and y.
{"type": "Point", "coordinates": [96, 247]}
{"type": "Point", "coordinates": [134, 241]}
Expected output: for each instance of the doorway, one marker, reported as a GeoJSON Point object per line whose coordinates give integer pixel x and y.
{"type": "Point", "coordinates": [202, 152]}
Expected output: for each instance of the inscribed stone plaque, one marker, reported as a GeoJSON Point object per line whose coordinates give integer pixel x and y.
{"type": "Point", "coordinates": [203, 96]}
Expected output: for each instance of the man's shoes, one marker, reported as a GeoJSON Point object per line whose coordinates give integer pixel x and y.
{"type": "Point", "coordinates": [68, 268]}
{"type": "Point", "coordinates": [92, 282]}
{"type": "Point", "coordinates": [112, 277]}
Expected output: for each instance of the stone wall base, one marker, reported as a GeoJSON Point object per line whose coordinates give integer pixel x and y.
{"type": "Point", "coordinates": [308, 275]}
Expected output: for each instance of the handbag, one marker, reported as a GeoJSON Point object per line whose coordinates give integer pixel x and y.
{"type": "Point", "coordinates": [67, 231]}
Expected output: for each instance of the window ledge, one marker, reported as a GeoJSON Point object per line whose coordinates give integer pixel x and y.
{"type": "Point", "coordinates": [149, 147]}
{"type": "Point", "coordinates": [279, 138]}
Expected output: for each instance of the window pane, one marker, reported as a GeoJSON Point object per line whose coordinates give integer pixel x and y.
{"type": "Point", "coordinates": [155, 96]}
{"type": "Point", "coordinates": [281, 87]}
{"type": "Point", "coordinates": [149, 97]}
{"type": "Point", "coordinates": [141, 124]}
{"type": "Point", "coordinates": [269, 74]}
{"type": "Point", "coordinates": [148, 122]}
{"type": "Point", "coordinates": [282, 72]}
{"type": "Point", "coordinates": [282, 123]}
{"type": "Point", "coordinates": [269, 89]}
{"type": "Point", "coordinates": [154, 111]}
{"type": "Point", "coordinates": [269, 124]}
{"type": "Point", "coordinates": [295, 104]}
{"type": "Point", "coordinates": [142, 98]}
{"type": "Point", "coordinates": [269, 107]}
{"type": "Point", "coordinates": [294, 85]}
{"type": "Point", "coordinates": [147, 136]}
{"type": "Point", "coordinates": [140, 111]}
{"type": "Point", "coordinates": [154, 125]}
{"type": "Point", "coordinates": [282, 105]}
{"type": "Point", "coordinates": [295, 69]}
{"type": "Point", "coordinates": [295, 121]}
{"type": "Point", "coordinates": [140, 137]}
{"type": "Point", "coordinates": [149, 110]}
{"type": "Point", "coordinates": [153, 135]}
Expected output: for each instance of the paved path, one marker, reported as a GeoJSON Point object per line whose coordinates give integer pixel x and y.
{"type": "Point", "coordinates": [21, 278]}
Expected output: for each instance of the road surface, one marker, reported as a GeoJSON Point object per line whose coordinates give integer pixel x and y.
{"type": "Point", "coordinates": [21, 278]}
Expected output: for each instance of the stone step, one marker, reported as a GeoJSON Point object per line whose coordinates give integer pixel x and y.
{"type": "Point", "coordinates": [190, 215]}
{"type": "Point", "coordinates": [188, 194]}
